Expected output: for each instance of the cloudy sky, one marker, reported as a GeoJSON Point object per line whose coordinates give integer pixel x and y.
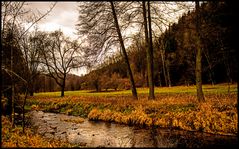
{"type": "Point", "coordinates": [64, 16]}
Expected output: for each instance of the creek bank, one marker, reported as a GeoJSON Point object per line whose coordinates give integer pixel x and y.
{"type": "Point", "coordinates": [87, 133]}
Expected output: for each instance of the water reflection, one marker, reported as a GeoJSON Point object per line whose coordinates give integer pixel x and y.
{"type": "Point", "coordinates": [103, 134]}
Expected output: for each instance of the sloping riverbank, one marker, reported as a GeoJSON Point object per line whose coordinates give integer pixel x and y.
{"type": "Point", "coordinates": [87, 133]}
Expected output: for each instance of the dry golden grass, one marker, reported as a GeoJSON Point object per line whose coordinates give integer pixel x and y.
{"type": "Point", "coordinates": [13, 137]}
{"type": "Point", "coordinates": [217, 115]}
{"type": "Point", "coordinates": [74, 120]}
{"type": "Point", "coordinates": [178, 109]}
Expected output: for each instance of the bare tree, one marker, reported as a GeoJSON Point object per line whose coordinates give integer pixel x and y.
{"type": "Point", "coordinates": [60, 55]}
{"type": "Point", "coordinates": [31, 53]}
{"type": "Point", "coordinates": [133, 87]}
{"type": "Point", "coordinates": [99, 24]}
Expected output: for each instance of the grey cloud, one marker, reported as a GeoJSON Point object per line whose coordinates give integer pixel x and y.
{"type": "Point", "coordinates": [64, 13]}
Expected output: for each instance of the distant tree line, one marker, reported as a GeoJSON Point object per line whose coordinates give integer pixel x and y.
{"type": "Point", "coordinates": [47, 84]}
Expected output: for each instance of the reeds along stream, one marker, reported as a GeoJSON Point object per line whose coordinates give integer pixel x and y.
{"type": "Point", "coordinates": [87, 133]}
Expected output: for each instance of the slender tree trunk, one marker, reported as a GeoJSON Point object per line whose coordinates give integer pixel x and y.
{"type": "Point", "coordinates": [23, 110]}
{"type": "Point", "coordinates": [210, 68]}
{"type": "Point", "coordinates": [13, 107]}
{"type": "Point", "coordinates": [12, 84]}
{"type": "Point", "coordinates": [31, 89]}
{"type": "Point", "coordinates": [162, 53]}
{"type": "Point", "coordinates": [160, 81]}
{"type": "Point", "coordinates": [200, 96]}
{"type": "Point", "coordinates": [62, 91]}
{"type": "Point", "coordinates": [149, 55]}
{"type": "Point", "coordinates": [63, 86]}
{"type": "Point", "coordinates": [228, 72]}
{"type": "Point", "coordinates": [168, 74]}
{"type": "Point", "coordinates": [225, 55]}
{"type": "Point", "coordinates": [133, 87]}
{"type": "Point", "coordinates": [96, 84]}
{"type": "Point", "coordinates": [151, 58]}
{"type": "Point", "coordinates": [44, 87]}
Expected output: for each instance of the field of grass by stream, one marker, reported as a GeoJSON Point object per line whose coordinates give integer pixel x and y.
{"type": "Point", "coordinates": [174, 107]}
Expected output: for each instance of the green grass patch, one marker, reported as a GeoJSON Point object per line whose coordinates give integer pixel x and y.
{"type": "Point", "coordinates": [181, 108]}
{"type": "Point", "coordinates": [207, 89]}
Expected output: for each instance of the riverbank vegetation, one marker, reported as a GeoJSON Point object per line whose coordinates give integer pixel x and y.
{"type": "Point", "coordinates": [177, 108]}
{"type": "Point", "coordinates": [14, 137]}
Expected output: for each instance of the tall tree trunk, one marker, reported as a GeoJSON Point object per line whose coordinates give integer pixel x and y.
{"type": "Point", "coordinates": [97, 87]}
{"type": "Point", "coordinates": [227, 67]}
{"type": "Point", "coordinates": [160, 81]}
{"type": "Point", "coordinates": [12, 84]}
{"type": "Point", "coordinates": [210, 68]}
{"type": "Point", "coordinates": [146, 37]}
{"type": "Point", "coordinates": [133, 87]}
{"type": "Point", "coordinates": [151, 58]}
{"type": "Point", "coordinates": [31, 87]}
{"type": "Point", "coordinates": [148, 51]}
{"type": "Point", "coordinates": [168, 73]}
{"type": "Point", "coordinates": [13, 103]}
{"type": "Point", "coordinates": [162, 54]}
{"type": "Point", "coordinates": [23, 110]}
{"type": "Point", "coordinates": [200, 96]}
{"type": "Point", "coordinates": [62, 91]}
{"type": "Point", "coordinates": [44, 83]}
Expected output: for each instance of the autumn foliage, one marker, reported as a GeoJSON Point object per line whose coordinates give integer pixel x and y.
{"type": "Point", "coordinates": [13, 137]}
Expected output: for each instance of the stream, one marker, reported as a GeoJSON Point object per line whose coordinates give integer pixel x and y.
{"type": "Point", "coordinates": [105, 134]}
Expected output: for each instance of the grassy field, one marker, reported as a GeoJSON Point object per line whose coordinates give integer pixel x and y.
{"type": "Point", "coordinates": [208, 89]}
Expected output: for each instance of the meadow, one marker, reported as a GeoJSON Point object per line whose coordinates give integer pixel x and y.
{"type": "Point", "coordinates": [174, 107]}
{"type": "Point", "coordinates": [208, 89]}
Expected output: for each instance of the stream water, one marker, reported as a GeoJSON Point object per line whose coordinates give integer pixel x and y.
{"type": "Point", "coordinates": [104, 134]}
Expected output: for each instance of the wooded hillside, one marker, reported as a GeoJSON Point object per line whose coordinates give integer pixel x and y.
{"type": "Point", "coordinates": [175, 51]}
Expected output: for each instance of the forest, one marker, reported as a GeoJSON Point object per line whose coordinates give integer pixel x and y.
{"type": "Point", "coordinates": [143, 69]}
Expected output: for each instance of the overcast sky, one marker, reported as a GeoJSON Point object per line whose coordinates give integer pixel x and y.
{"type": "Point", "coordinates": [64, 15]}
